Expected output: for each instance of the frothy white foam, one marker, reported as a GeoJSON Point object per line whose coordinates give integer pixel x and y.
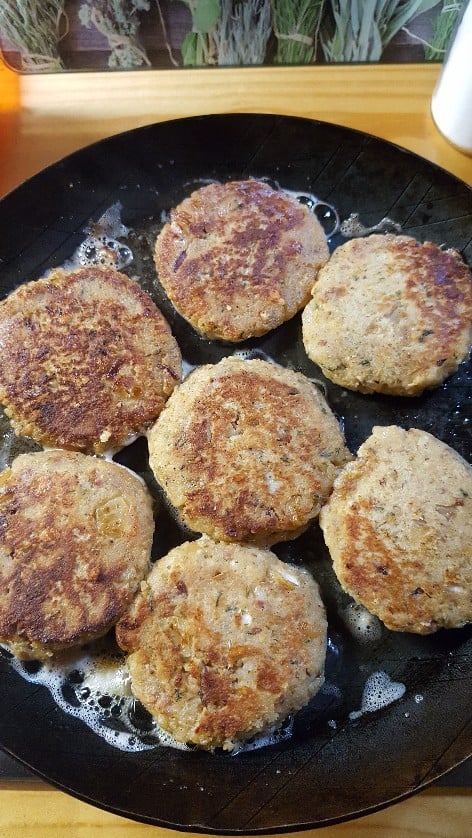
{"type": "Point", "coordinates": [361, 623]}
{"type": "Point", "coordinates": [253, 354]}
{"type": "Point", "coordinates": [101, 246]}
{"type": "Point", "coordinates": [313, 203]}
{"type": "Point", "coordinates": [271, 737]}
{"type": "Point", "coordinates": [353, 227]}
{"type": "Point", "coordinates": [96, 688]}
{"type": "Point", "coordinates": [379, 692]}
{"type": "Point", "coordinates": [330, 689]}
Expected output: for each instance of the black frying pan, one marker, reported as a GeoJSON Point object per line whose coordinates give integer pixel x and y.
{"type": "Point", "coordinates": [332, 767]}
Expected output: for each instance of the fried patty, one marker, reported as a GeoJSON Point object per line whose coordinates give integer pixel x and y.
{"type": "Point", "coordinates": [224, 642]}
{"type": "Point", "coordinates": [88, 361]}
{"type": "Point", "coordinates": [389, 315]}
{"type": "Point", "coordinates": [247, 451]}
{"type": "Point", "coordinates": [75, 542]}
{"type": "Point", "coordinates": [240, 258]}
{"type": "Point", "coordinates": [398, 526]}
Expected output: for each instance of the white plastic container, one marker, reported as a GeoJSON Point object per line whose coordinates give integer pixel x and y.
{"type": "Point", "coordinates": [451, 103]}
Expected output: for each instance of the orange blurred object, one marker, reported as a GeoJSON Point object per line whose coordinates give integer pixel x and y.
{"type": "Point", "coordinates": [9, 88]}
{"type": "Point", "coordinates": [9, 111]}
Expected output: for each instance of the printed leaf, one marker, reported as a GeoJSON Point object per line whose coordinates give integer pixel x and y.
{"type": "Point", "coordinates": [189, 49]}
{"type": "Point", "coordinates": [205, 16]}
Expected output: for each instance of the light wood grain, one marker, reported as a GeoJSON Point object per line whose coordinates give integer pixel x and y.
{"type": "Point", "coordinates": [43, 118]}
{"type": "Point", "coordinates": [46, 814]}
{"type": "Point", "coordinates": [63, 112]}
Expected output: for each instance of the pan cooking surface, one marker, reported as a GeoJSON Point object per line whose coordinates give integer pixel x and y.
{"type": "Point", "coordinates": [339, 758]}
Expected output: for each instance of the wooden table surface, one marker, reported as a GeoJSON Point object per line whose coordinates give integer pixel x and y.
{"type": "Point", "coordinates": [43, 118]}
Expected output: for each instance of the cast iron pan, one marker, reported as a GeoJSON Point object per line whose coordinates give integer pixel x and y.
{"type": "Point", "coordinates": [332, 767]}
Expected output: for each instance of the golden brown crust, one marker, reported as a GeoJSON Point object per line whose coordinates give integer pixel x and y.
{"type": "Point", "coordinates": [239, 259]}
{"type": "Point", "coordinates": [390, 315]}
{"type": "Point", "coordinates": [88, 360]}
{"type": "Point", "coordinates": [399, 529]}
{"type": "Point", "coordinates": [247, 451]}
{"type": "Point", "coordinates": [75, 541]}
{"type": "Point", "coordinates": [224, 641]}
